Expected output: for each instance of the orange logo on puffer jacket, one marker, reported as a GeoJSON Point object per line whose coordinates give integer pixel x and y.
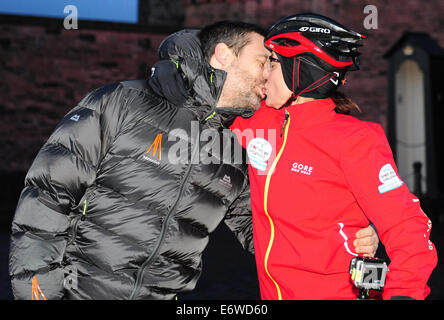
{"type": "Point", "coordinates": [37, 293]}
{"type": "Point", "coordinates": [155, 146]}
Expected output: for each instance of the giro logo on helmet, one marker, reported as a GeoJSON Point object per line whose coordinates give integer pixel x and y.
{"type": "Point", "coordinates": [315, 29]}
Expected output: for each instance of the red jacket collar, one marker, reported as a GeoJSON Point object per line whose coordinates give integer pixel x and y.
{"type": "Point", "coordinates": [310, 113]}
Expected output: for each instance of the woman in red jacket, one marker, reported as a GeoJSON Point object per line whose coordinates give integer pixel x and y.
{"type": "Point", "coordinates": [318, 175]}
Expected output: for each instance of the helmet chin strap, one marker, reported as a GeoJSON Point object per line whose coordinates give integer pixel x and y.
{"type": "Point", "coordinates": [328, 76]}
{"type": "Point", "coordinates": [294, 97]}
{"type": "Point", "coordinates": [289, 101]}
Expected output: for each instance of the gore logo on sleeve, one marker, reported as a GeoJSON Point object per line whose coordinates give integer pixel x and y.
{"type": "Point", "coordinates": [389, 179]}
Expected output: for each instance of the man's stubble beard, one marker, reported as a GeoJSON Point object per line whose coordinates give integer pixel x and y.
{"type": "Point", "coordinates": [239, 90]}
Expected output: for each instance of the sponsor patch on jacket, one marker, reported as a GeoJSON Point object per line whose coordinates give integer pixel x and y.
{"type": "Point", "coordinates": [226, 181]}
{"type": "Point", "coordinates": [259, 151]}
{"type": "Point", "coordinates": [389, 179]}
{"type": "Point", "coordinates": [302, 168]}
{"type": "Point", "coordinates": [154, 152]}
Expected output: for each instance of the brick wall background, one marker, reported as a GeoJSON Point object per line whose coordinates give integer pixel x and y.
{"type": "Point", "coordinates": [46, 71]}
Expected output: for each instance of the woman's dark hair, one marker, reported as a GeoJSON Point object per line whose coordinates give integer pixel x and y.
{"type": "Point", "coordinates": [344, 104]}
{"type": "Point", "coordinates": [234, 34]}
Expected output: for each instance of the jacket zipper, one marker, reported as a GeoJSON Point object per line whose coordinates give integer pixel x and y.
{"type": "Point", "coordinates": [85, 205]}
{"type": "Point", "coordinates": [151, 258]}
{"type": "Point", "coordinates": [76, 222]}
{"type": "Point", "coordinates": [267, 187]}
{"type": "Point", "coordinates": [287, 115]}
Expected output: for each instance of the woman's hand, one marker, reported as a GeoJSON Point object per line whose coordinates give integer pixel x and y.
{"type": "Point", "coordinates": [366, 242]}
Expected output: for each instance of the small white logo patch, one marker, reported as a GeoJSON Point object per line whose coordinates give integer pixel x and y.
{"type": "Point", "coordinates": [315, 29]}
{"type": "Point", "coordinates": [302, 168]}
{"type": "Point", "coordinates": [335, 80]}
{"type": "Point", "coordinates": [75, 117]}
{"type": "Point", "coordinates": [389, 179]}
{"type": "Point", "coordinates": [259, 151]}
{"type": "Point", "coordinates": [226, 181]}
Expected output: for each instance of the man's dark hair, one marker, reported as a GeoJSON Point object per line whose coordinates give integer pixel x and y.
{"type": "Point", "coordinates": [235, 34]}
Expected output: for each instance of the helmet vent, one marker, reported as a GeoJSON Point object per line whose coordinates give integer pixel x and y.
{"type": "Point", "coordinates": [286, 42]}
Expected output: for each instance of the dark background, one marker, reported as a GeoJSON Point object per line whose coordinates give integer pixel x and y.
{"type": "Point", "coordinates": [45, 70]}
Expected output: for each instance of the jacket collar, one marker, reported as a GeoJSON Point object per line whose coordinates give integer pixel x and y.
{"type": "Point", "coordinates": [184, 77]}
{"type": "Point", "coordinates": [311, 113]}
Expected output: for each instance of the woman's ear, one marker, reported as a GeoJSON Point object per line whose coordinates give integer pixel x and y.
{"type": "Point", "coordinates": [223, 56]}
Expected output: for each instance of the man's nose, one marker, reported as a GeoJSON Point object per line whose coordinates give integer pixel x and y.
{"type": "Point", "coordinates": [266, 72]}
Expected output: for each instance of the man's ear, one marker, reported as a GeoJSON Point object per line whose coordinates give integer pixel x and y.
{"type": "Point", "coordinates": [223, 56]}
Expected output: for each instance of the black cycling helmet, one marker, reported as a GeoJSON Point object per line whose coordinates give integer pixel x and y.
{"type": "Point", "coordinates": [315, 53]}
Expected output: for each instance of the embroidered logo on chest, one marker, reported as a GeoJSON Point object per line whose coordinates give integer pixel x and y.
{"type": "Point", "coordinates": [153, 154]}
{"type": "Point", "coordinates": [226, 181]}
{"type": "Point", "coordinates": [302, 168]}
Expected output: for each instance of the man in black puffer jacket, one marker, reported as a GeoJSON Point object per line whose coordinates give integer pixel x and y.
{"type": "Point", "coordinates": [120, 201]}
